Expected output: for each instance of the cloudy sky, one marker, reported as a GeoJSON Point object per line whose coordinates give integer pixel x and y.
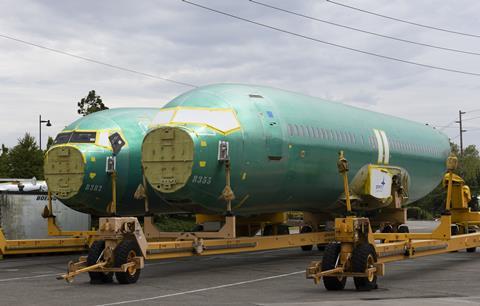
{"type": "Point", "coordinates": [171, 39]}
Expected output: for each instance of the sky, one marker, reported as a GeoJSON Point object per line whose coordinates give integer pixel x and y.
{"type": "Point", "coordinates": [175, 40]}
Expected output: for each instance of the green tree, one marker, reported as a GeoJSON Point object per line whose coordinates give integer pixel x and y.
{"type": "Point", "coordinates": [25, 160]}
{"type": "Point", "coordinates": [4, 172]}
{"type": "Point", "coordinates": [90, 104]}
{"type": "Point", "coordinates": [49, 142]}
{"type": "Point", "coordinates": [468, 168]}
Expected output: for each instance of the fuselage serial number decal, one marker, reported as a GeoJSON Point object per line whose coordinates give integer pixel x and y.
{"type": "Point", "coordinates": [200, 179]}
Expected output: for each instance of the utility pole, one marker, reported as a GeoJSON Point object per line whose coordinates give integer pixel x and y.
{"type": "Point", "coordinates": [460, 113]}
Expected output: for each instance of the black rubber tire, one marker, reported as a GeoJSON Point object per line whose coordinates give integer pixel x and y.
{"type": "Point", "coordinates": [123, 251]}
{"type": "Point", "coordinates": [364, 255]}
{"type": "Point", "coordinates": [94, 253]}
{"type": "Point", "coordinates": [197, 228]}
{"type": "Point", "coordinates": [474, 249]}
{"type": "Point", "coordinates": [454, 230]}
{"type": "Point", "coordinates": [329, 261]}
{"type": "Point", "coordinates": [268, 230]}
{"type": "Point", "coordinates": [387, 229]}
{"type": "Point", "coordinates": [403, 229]}
{"type": "Point", "coordinates": [283, 229]}
{"type": "Point", "coordinates": [303, 230]}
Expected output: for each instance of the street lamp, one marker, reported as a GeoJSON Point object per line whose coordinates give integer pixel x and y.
{"type": "Point", "coordinates": [40, 121]}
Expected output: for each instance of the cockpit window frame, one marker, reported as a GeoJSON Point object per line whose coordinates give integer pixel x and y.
{"type": "Point", "coordinates": [69, 134]}
{"type": "Point", "coordinates": [172, 112]}
{"type": "Point", "coordinates": [97, 142]}
{"type": "Point", "coordinates": [91, 137]}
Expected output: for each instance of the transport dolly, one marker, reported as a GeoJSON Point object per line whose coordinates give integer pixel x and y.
{"type": "Point", "coordinates": [355, 251]}
{"type": "Point", "coordinates": [121, 245]}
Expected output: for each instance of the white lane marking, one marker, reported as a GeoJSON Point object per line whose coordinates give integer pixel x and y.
{"type": "Point", "coordinates": [202, 289]}
{"type": "Point", "coordinates": [27, 277]}
{"type": "Point", "coordinates": [379, 145]}
{"type": "Point", "coordinates": [386, 146]}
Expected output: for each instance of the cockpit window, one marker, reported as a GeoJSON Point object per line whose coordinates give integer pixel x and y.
{"type": "Point", "coordinates": [221, 119]}
{"type": "Point", "coordinates": [83, 137]}
{"type": "Point", "coordinates": [62, 138]}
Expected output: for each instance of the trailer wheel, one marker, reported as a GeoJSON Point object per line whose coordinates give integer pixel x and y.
{"type": "Point", "coordinates": [387, 229]}
{"type": "Point", "coordinates": [330, 261]}
{"type": "Point", "coordinates": [364, 257]}
{"type": "Point", "coordinates": [94, 253]}
{"type": "Point", "coordinates": [471, 250]}
{"type": "Point", "coordinates": [283, 229]}
{"type": "Point", "coordinates": [454, 229]}
{"type": "Point", "coordinates": [403, 229]}
{"type": "Point", "coordinates": [303, 230]}
{"type": "Point", "coordinates": [125, 252]}
{"type": "Point", "coordinates": [268, 230]}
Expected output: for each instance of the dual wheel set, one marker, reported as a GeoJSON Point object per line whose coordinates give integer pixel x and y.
{"type": "Point", "coordinates": [363, 258]}
{"type": "Point", "coordinates": [125, 252]}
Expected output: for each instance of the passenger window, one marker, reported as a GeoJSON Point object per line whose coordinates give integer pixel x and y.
{"type": "Point", "coordinates": [339, 136]}
{"type": "Point", "coordinates": [297, 130]}
{"type": "Point", "coordinates": [309, 131]}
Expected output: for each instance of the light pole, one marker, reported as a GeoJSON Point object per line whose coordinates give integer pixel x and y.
{"type": "Point", "coordinates": [40, 121]}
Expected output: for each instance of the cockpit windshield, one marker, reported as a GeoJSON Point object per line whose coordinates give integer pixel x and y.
{"type": "Point", "coordinates": [62, 138]}
{"type": "Point", "coordinates": [83, 137]}
{"type": "Point", "coordinates": [220, 119]}
{"type": "Point", "coordinates": [76, 137]}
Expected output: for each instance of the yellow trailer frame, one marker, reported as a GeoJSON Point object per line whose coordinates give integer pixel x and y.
{"type": "Point", "coordinates": [115, 231]}
{"type": "Point", "coordinates": [357, 252]}
{"type": "Point", "coordinates": [124, 235]}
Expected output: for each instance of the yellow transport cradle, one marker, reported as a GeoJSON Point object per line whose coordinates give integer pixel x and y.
{"type": "Point", "coordinates": [121, 245]}
{"type": "Point", "coordinates": [356, 251]}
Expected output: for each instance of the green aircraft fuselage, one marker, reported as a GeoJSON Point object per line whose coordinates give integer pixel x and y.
{"type": "Point", "coordinates": [283, 148]}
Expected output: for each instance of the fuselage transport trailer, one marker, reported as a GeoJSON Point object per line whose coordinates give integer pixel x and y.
{"type": "Point", "coordinates": [353, 249]}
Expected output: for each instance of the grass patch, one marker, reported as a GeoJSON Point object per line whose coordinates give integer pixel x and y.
{"type": "Point", "coordinates": [175, 223]}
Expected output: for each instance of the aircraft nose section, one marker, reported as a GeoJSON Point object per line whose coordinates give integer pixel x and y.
{"type": "Point", "coordinates": [167, 158]}
{"type": "Point", "coordinates": [64, 170]}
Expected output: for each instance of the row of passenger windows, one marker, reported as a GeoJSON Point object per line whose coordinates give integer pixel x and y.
{"type": "Point", "coordinates": [352, 138]}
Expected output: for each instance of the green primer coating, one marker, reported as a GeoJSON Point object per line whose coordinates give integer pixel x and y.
{"type": "Point", "coordinates": [96, 193]}
{"type": "Point", "coordinates": [304, 178]}
{"type": "Point", "coordinates": [276, 167]}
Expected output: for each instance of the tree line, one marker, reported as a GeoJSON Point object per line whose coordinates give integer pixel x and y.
{"type": "Point", "coordinates": [433, 204]}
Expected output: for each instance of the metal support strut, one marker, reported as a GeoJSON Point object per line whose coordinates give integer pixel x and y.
{"type": "Point", "coordinates": [356, 253]}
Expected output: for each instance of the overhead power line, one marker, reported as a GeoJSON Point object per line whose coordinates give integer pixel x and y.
{"type": "Point", "coordinates": [471, 118]}
{"type": "Point", "coordinates": [448, 125]}
{"type": "Point", "coordinates": [402, 20]}
{"type": "Point", "coordinates": [363, 31]}
{"type": "Point", "coordinates": [330, 43]}
{"type": "Point", "coordinates": [473, 110]}
{"type": "Point", "coordinates": [96, 61]}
